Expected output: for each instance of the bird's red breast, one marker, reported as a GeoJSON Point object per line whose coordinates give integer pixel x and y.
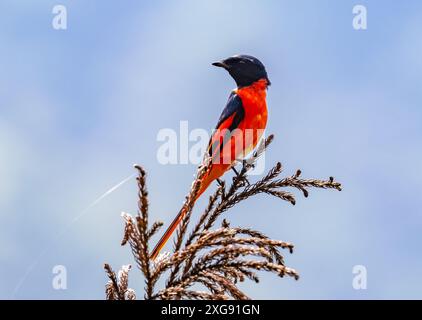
{"type": "Point", "coordinates": [245, 136]}
{"type": "Point", "coordinates": [254, 102]}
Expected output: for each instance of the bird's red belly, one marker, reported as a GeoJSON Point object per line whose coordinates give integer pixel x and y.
{"type": "Point", "coordinates": [243, 139]}
{"type": "Point", "coordinates": [256, 115]}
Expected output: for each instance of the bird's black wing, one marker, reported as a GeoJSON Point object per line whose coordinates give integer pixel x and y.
{"type": "Point", "coordinates": [233, 106]}
{"type": "Point", "coordinates": [234, 110]}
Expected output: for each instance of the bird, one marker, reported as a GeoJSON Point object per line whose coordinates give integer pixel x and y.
{"type": "Point", "coordinates": [244, 119]}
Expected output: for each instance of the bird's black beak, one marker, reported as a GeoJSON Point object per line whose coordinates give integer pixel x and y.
{"type": "Point", "coordinates": [220, 64]}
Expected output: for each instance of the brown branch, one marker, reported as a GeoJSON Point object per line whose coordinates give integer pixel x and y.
{"type": "Point", "coordinates": [113, 289]}
{"type": "Point", "coordinates": [216, 259]}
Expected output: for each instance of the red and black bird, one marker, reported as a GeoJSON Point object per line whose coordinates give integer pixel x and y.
{"type": "Point", "coordinates": [244, 119]}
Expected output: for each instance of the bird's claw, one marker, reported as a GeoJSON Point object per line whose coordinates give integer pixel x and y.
{"type": "Point", "coordinates": [243, 179]}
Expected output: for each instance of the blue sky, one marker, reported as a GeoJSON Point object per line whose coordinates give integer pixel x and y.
{"type": "Point", "coordinates": [79, 106]}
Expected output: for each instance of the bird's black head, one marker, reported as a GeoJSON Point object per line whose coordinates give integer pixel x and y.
{"type": "Point", "coordinates": [244, 69]}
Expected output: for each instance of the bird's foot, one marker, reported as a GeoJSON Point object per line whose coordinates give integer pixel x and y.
{"type": "Point", "coordinates": [248, 163]}
{"type": "Point", "coordinates": [243, 179]}
{"type": "Point", "coordinates": [223, 189]}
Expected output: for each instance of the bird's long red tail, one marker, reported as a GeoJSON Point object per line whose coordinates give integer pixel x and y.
{"type": "Point", "coordinates": [166, 236]}
{"type": "Point", "coordinates": [173, 226]}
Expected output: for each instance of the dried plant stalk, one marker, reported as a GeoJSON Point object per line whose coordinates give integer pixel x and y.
{"type": "Point", "coordinates": [117, 287]}
{"type": "Point", "coordinates": [216, 259]}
